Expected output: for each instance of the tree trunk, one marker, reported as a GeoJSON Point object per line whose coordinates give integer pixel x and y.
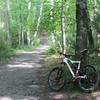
{"type": "Point", "coordinates": [89, 33]}
{"type": "Point", "coordinates": [82, 27]}
{"type": "Point", "coordinates": [94, 18]}
{"type": "Point", "coordinates": [8, 22]}
{"type": "Point", "coordinates": [28, 30]}
{"type": "Point", "coordinates": [51, 23]}
{"type": "Point", "coordinates": [21, 33]}
{"type": "Point", "coordinates": [39, 20]}
{"type": "Point", "coordinates": [63, 28]}
{"type": "Point", "coordinates": [28, 37]}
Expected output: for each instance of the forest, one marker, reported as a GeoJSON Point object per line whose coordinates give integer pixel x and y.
{"type": "Point", "coordinates": [69, 25]}
{"type": "Point", "coordinates": [33, 32]}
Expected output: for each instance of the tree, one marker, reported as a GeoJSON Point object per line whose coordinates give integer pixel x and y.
{"type": "Point", "coordinates": [39, 19]}
{"type": "Point", "coordinates": [96, 22]}
{"type": "Point", "coordinates": [82, 27]}
{"type": "Point", "coordinates": [84, 38]}
{"type": "Point", "coordinates": [28, 19]}
{"type": "Point", "coordinates": [81, 19]}
{"type": "Point", "coordinates": [63, 28]}
{"type": "Point", "coordinates": [8, 15]}
{"type": "Point", "coordinates": [52, 23]}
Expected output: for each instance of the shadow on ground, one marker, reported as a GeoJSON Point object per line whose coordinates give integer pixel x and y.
{"type": "Point", "coordinates": [21, 78]}
{"type": "Point", "coordinates": [24, 78]}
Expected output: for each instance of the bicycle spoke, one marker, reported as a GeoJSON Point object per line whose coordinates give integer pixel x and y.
{"type": "Point", "coordinates": [56, 79]}
{"type": "Point", "coordinates": [92, 78]}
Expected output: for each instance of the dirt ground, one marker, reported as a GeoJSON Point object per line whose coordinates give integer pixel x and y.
{"type": "Point", "coordinates": [24, 79]}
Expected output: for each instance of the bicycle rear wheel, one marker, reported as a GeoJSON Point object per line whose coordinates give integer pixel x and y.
{"type": "Point", "coordinates": [91, 81]}
{"type": "Point", "coordinates": [56, 79]}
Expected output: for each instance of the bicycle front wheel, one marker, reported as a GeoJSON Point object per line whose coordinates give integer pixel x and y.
{"type": "Point", "coordinates": [90, 82]}
{"type": "Point", "coordinates": [56, 79]}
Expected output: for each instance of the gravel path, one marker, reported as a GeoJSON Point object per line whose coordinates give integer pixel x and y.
{"type": "Point", "coordinates": [21, 78]}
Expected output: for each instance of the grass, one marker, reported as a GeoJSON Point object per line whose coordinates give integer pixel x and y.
{"type": "Point", "coordinates": [5, 55]}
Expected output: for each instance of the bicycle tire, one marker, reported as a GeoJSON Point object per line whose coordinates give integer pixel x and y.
{"type": "Point", "coordinates": [56, 79]}
{"type": "Point", "coordinates": [91, 81]}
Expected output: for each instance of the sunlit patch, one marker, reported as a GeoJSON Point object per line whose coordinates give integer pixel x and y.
{"type": "Point", "coordinates": [2, 24]}
{"type": "Point", "coordinates": [41, 49]}
{"type": "Point", "coordinates": [26, 98]}
{"type": "Point", "coordinates": [57, 97]}
{"type": "Point", "coordinates": [5, 98]}
{"type": "Point", "coordinates": [22, 65]}
{"type": "Point", "coordinates": [34, 86]}
{"type": "Point", "coordinates": [96, 95]}
{"type": "Point", "coordinates": [98, 98]}
{"type": "Point", "coordinates": [38, 50]}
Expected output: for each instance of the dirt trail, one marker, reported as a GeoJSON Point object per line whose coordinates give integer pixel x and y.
{"type": "Point", "coordinates": [21, 78]}
{"type": "Point", "coordinates": [24, 79]}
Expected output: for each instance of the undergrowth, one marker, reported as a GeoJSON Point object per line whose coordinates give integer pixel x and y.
{"type": "Point", "coordinates": [5, 53]}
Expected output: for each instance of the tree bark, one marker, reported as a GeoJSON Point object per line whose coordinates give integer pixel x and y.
{"type": "Point", "coordinates": [63, 28]}
{"type": "Point", "coordinates": [8, 22]}
{"type": "Point", "coordinates": [21, 33]}
{"type": "Point", "coordinates": [51, 23]}
{"type": "Point", "coordinates": [38, 22]}
{"type": "Point", "coordinates": [95, 15]}
{"type": "Point", "coordinates": [82, 27]}
{"type": "Point", "coordinates": [89, 33]}
{"type": "Point", "coordinates": [28, 30]}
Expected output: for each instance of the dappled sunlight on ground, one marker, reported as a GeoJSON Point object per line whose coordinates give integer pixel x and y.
{"type": "Point", "coordinates": [23, 65]}
{"type": "Point", "coordinates": [41, 50]}
{"type": "Point", "coordinates": [38, 50]}
{"type": "Point", "coordinates": [17, 98]}
{"type": "Point", "coordinates": [20, 66]}
{"type": "Point", "coordinates": [29, 59]}
{"type": "Point", "coordinates": [24, 79]}
{"type": "Point", "coordinates": [96, 95]}
{"type": "Point", "coordinates": [98, 98]}
{"type": "Point", "coordinates": [58, 96]}
{"type": "Point", "coordinates": [21, 78]}
{"type": "Point", "coordinates": [5, 98]}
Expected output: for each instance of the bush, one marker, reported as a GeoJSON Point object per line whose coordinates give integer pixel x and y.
{"type": "Point", "coordinates": [5, 51]}
{"type": "Point", "coordinates": [51, 51]}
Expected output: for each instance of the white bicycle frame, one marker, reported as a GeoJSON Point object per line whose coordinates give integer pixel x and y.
{"type": "Point", "coordinates": [65, 60]}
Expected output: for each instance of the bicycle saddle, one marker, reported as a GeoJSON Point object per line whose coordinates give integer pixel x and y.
{"type": "Point", "coordinates": [84, 51]}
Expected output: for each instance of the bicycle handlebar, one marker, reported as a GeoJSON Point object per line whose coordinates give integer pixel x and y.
{"type": "Point", "coordinates": [65, 54]}
{"type": "Point", "coordinates": [84, 51]}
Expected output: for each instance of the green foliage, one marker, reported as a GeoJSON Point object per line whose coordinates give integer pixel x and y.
{"type": "Point", "coordinates": [36, 41]}
{"type": "Point", "coordinates": [24, 16]}
{"type": "Point", "coordinates": [5, 51]}
{"type": "Point", "coordinates": [51, 51]}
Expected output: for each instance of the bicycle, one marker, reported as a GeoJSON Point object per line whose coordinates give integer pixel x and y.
{"type": "Point", "coordinates": [87, 77]}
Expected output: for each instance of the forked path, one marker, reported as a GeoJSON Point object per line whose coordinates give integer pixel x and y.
{"type": "Point", "coordinates": [21, 79]}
